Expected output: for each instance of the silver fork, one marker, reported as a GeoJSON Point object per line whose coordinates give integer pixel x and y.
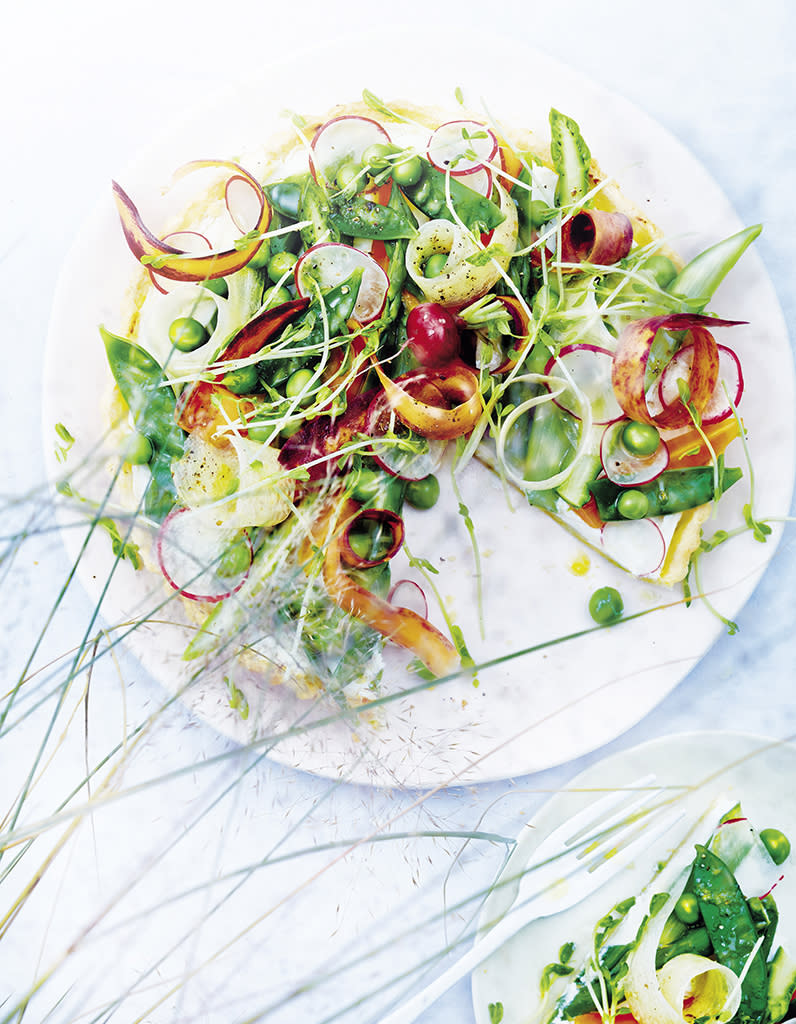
{"type": "Point", "coordinates": [570, 864]}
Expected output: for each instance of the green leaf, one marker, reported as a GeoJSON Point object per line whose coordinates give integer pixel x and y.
{"type": "Point", "coordinates": [553, 971]}
{"type": "Point", "coordinates": [495, 1013]}
{"type": "Point", "coordinates": [127, 550]}
{"type": "Point", "coordinates": [760, 531]}
{"type": "Point", "coordinates": [64, 434]}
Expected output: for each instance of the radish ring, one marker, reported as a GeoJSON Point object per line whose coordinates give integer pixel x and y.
{"type": "Point", "coordinates": [718, 406]}
{"type": "Point", "coordinates": [461, 147]}
{"type": "Point", "coordinates": [329, 263]}
{"type": "Point", "coordinates": [190, 548]}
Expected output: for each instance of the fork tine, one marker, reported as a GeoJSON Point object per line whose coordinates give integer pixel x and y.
{"type": "Point", "coordinates": [585, 821]}
{"type": "Point", "coordinates": [595, 814]}
{"type": "Point", "coordinates": [643, 833]}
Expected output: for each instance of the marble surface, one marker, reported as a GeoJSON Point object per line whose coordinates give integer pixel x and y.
{"type": "Point", "coordinates": [202, 882]}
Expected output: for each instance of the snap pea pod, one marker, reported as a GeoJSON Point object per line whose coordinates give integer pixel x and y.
{"type": "Point", "coordinates": [695, 940]}
{"type": "Point", "coordinates": [285, 196]}
{"type": "Point", "coordinates": [675, 490]}
{"type": "Point", "coordinates": [359, 217]}
{"type": "Point", "coordinates": [396, 271]}
{"type": "Point", "coordinates": [700, 278]}
{"type": "Point", "coordinates": [314, 208]}
{"type": "Point", "coordinates": [589, 995]}
{"type": "Point", "coordinates": [339, 303]}
{"type": "Point", "coordinates": [152, 405]}
{"type": "Point", "coordinates": [429, 195]}
{"type": "Point", "coordinates": [732, 931]}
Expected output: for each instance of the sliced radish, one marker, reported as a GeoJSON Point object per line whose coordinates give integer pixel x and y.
{"type": "Point", "coordinates": [187, 241]}
{"type": "Point", "coordinates": [730, 376]}
{"type": "Point", "coordinates": [461, 146]}
{"type": "Point", "coordinates": [244, 203]}
{"type": "Point", "coordinates": [341, 139]}
{"type": "Point", "coordinates": [190, 549]}
{"type": "Point", "coordinates": [387, 454]}
{"type": "Point", "coordinates": [589, 366]}
{"type": "Point", "coordinates": [625, 468]}
{"type": "Point", "coordinates": [636, 544]}
{"type": "Point", "coordinates": [408, 594]}
{"type": "Point", "coordinates": [330, 263]}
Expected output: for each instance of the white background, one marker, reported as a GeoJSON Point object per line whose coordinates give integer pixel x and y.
{"type": "Point", "coordinates": [82, 87]}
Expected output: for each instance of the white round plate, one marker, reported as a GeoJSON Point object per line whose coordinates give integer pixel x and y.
{"type": "Point", "coordinates": [565, 698]}
{"type": "Point", "coordinates": [703, 768]}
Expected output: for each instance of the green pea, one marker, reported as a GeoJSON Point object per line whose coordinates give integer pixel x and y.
{"type": "Point", "coordinates": [298, 382]}
{"type": "Point", "coordinates": [367, 486]}
{"type": "Point", "coordinates": [606, 605]}
{"type": "Point", "coordinates": [641, 438]}
{"type": "Point", "coordinates": [408, 171]}
{"type": "Point", "coordinates": [435, 264]}
{"type": "Point", "coordinates": [686, 909]}
{"type": "Point", "coordinates": [137, 449]}
{"type": "Point", "coordinates": [243, 381]}
{"type": "Point", "coordinates": [281, 263]}
{"type": "Point", "coordinates": [260, 432]}
{"type": "Point", "coordinates": [260, 259]}
{"type": "Point", "coordinates": [377, 155]}
{"type": "Point", "coordinates": [235, 559]}
{"type": "Point", "coordinates": [777, 844]}
{"type": "Point", "coordinates": [538, 212]}
{"type": "Point", "coordinates": [349, 173]}
{"type": "Point", "coordinates": [187, 334]}
{"type": "Point", "coordinates": [423, 493]}
{"type": "Point", "coordinates": [276, 296]}
{"type": "Point", "coordinates": [217, 285]}
{"type": "Point", "coordinates": [661, 268]}
{"type": "Point", "coordinates": [421, 194]}
{"type": "Point", "coordinates": [633, 504]}
{"type": "Point", "coordinates": [291, 427]}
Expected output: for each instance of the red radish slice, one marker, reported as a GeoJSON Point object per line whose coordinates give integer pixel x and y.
{"type": "Point", "coordinates": [187, 241]}
{"type": "Point", "coordinates": [461, 146]}
{"type": "Point", "coordinates": [623, 467]}
{"type": "Point", "coordinates": [243, 202]}
{"type": "Point", "coordinates": [636, 544]}
{"type": "Point", "coordinates": [343, 138]}
{"type": "Point", "coordinates": [406, 465]}
{"type": "Point", "coordinates": [330, 263]}
{"type": "Point", "coordinates": [190, 548]}
{"type": "Point", "coordinates": [589, 366]}
{"type": "Point", "coordinates": [730, 377]}
{"type": "Point", "coordinates": [408, 594]}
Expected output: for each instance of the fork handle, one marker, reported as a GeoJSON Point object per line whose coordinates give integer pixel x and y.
{"type": "Point", "coordinates": [482, 948]}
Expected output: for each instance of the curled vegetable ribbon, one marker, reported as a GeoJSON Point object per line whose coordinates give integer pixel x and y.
{"type": "Point", "coordinates": [456, 381]}
{"type": "Point", "coordinates": [632, 355]}
{"type": "Point", "coordinates": [399, 625]}
{"type": "Point", "coordinates": [175, 264]}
